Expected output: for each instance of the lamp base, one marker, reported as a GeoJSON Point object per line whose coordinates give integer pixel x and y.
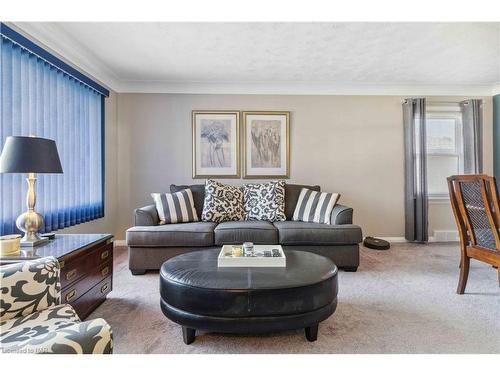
{"type": "Point", "coordinates": [33, 242]}
{"type": "Point", "coordinates": [30, 223]}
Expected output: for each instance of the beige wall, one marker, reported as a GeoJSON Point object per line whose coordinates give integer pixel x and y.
{"type": "Point", "coordinates": [348, 144]}
{"type": "Point", "coordinates": [107, 224]}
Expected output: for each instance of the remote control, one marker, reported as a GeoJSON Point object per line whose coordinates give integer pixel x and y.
{"type": "Point", "coordinates": [267, 253]}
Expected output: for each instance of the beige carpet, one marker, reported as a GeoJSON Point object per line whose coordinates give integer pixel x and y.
{"type": "Point", "coordinates": [399, 301]}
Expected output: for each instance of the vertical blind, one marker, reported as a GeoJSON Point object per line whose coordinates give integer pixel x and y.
{"type": "Point", "coordinates": [40, 98]}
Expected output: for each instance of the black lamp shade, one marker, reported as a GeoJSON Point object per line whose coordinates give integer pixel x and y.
{"type": "Point", "coordinates": [29, 155]}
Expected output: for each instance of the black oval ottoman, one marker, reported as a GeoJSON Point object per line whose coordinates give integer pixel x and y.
{"type": "Point", "coordinates": [196, 294]}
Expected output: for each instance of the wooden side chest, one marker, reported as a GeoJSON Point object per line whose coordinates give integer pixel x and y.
{"type": "Point", "coordinates": [87, 277]}
{"type": "Point", "coordinates": [86, 262]}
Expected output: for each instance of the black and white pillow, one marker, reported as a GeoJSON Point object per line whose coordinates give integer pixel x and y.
{"type": "Point", "coordinates": [314, 206]}
{"type": "Point", "coordinates": [222, 202]}
{"type": "Point", "coordinates": [175, 207]}
{"type": "Point", "coordinates": [265, 201]}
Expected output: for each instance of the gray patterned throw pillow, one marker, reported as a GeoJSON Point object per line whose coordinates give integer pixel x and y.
{"type": "Point", "coordinates": [222, 202]}
{"type": "Point", "coordinates": [265, 201]}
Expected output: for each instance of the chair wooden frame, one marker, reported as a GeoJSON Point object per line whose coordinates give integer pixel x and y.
{"type": "Point", "coordinates": [468, 244]}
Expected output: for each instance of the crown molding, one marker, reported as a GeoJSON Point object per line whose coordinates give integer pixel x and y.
{"type": "Point", "coordinates": [303, 88]}
{"type": "Point", "coordinates": [54, 39]}
{"type": "Point", "coordinates": [57, 41]}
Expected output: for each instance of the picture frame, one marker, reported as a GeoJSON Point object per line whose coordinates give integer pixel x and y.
{"type": "Point", "coordinates": [266, 144]}
{"type": "Point", "coordinates": [216, 144]}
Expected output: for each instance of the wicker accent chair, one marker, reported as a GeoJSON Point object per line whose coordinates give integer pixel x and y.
{"type": "Point", "coordinates": [474, 199]}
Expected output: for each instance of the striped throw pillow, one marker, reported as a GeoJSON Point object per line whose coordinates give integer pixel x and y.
{"type": "Point", "coordinates": [314, 206]}
{"type": "Point", "coordinates": [175, 207]}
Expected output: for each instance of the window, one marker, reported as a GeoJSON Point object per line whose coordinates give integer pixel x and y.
{"type": "Point", "coordinates": [444, 147]}
{"type": "Point", "coordinates": [41, 95]}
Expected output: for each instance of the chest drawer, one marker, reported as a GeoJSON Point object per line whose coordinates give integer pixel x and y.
{"type": "Point", "coordinates": [95, 296]}
{"type": "Point", "coordinates": [78, 289]}
{"type": "Point", "coordinates": [74, 268]}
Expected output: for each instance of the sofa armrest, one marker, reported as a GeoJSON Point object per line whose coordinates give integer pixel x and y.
{"type": "Point", "coordinates": [89, 337]}
{"type": "Point", "coordinates": [341, 215]}
{"type": "Point", "coordinates": [146, 216]}
{"type": "Point", "coordinates": [29, 286]}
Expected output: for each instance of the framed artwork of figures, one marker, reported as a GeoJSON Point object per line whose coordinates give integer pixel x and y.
{"type": "Point", "coordinates": [216, 141]}
{"type": "Point", "coordinates": [266, 144]}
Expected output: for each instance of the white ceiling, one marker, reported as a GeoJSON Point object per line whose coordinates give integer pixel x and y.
{"type": "Point", "coordinates": [281, 57]}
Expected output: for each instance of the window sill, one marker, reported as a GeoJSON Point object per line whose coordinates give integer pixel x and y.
{"type": "Point", "coordinates": [439, 200]}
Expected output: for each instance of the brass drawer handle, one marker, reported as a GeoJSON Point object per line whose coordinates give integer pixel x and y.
{"type": "Point", "coordinates": [61, 264]}
{"type": "Point", "coordinates": [104, 287]}
{"type": "Point", "coordinates": [105, 271]}
{"type": "Point", "coordinates": [71, 275]}
{"type": "Point", "coordinates": [104, 254]}
{"type": "Point", "coordinates": [70, 295]}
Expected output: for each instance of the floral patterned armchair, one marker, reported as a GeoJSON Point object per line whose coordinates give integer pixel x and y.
{"type": "Point", "coordinates": [32, 320]}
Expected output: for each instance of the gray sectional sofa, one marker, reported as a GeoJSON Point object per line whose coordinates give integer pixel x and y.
{"type": "Point", "coordinates": [151, 244]}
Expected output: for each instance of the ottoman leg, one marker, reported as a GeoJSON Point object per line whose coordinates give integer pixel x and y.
{"type": "Point", "coordinates": [312, 333]}
{"type": "Point", "coordinates": [136, 272]}
{"type": "Point", "coordinates": [188, 335]}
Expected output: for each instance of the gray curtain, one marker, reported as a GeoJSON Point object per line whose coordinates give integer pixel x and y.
{"type": "Point", "coordinates": [472, 118]}
{"type": "Point", "coordinates": [416, 202]}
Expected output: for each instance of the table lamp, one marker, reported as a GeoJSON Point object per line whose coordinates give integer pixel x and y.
{"type": "Point", "coordinates": [30, 155]}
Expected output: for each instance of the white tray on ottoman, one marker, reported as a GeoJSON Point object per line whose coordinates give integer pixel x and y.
{"type": "Point", "coordinates": [226, 259]}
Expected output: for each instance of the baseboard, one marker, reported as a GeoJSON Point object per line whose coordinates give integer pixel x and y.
{"type": "Point", "coordinates": [445, 236]}
{"type": "Point", "coordinates": [393, 239]}
{"type": "Point", "coordinates": [439, 236]}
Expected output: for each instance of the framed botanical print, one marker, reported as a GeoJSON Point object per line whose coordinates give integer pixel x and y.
{"type": "Point", "coordinates": [216, 141]}
{"type": "Point", "coordinates": [266, 144]}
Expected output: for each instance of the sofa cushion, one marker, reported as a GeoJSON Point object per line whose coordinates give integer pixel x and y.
{"type": "Point", "coordinates": [198, 195]}
{"type": "Point", "coordinates": [40, 322]}
{"type": "Point", "coordinates": [172, 235]}
{"type": "Point", "coordinates": [300, 233]}
{"type": "Point", "coordinates": [237, 232]}
{"type": "Point", "coordinates": [55, 330]}
{"type": "Point", "coordinates": [292, 192]}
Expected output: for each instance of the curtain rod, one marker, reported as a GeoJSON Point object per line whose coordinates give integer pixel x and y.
{"type": "Point", "coordinates": [439, 102]}
{"type": "Point", "coordinates": [465, 102]}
